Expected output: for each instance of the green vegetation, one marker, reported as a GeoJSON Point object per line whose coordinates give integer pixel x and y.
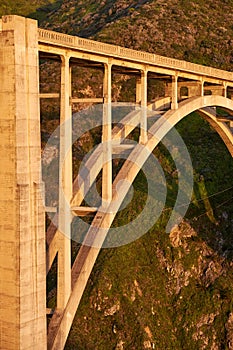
{"type": "Point", "coordinates": [197, 31]}
{"type": "Point", "coordinates": [22, 7]}
{"type": "Point", "coordinates": [163, 291]}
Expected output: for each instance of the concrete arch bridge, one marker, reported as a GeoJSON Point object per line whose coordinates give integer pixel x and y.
{"type": "Point", "coordinates": [24, 260]}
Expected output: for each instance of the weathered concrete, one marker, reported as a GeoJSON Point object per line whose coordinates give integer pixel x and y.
{"type": "Point", "coordinates": [107, 136]}
{"type": "Point", "coordinates": [22, 239]}
{"type": "Point", "coordinates": [65, 187]}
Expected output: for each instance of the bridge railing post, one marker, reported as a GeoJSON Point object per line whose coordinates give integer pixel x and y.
{"type": "Point", "coordinates": [65, 187]}
{"type": "Point", "coordinates": [22, 231]}
{"type": "Point", "coordinates": [107, 136]}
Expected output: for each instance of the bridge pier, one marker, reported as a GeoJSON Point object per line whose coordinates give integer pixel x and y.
{"type": "Point", "coordinates": [201, 87]}
{"type": "Point", "coordinates": [174, 92]}
{"type": "Point", "coordinates": [143, 123]}
{"type": "Point", "coordinates": [22, 237]}
{"type": "Point", "coordinates": [107, 136]}
{"type": "Point", "coordinates": [224, 89]}
{"type": "Point", "coordinates": [65, 187]}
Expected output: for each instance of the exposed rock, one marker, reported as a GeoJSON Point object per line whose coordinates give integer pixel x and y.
{"type": "Point", "coordinates": [112, 310]}
{"type": "Point", "coordinates": [147, 344]}
{"type": "Point", "coordinates": [120, 345]}
{"type": "Point", "coordinates": [229, 329]}
{"type": "Point", "coordinates": [138, 288]}
{"type": "Point", "coordinates": [49, 153]}
{"type": "Point", "coordinates": [200, 335]}
{"type": "Point", "coordinates": [148, 332]}
{"type": "Point", "coordinates": [179, 233]}
{"type": "Point", "coordinates": [208, 271]}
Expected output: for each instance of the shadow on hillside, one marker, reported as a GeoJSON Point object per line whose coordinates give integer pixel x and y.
{"type": "Point", "coordinates": [43, 13]}
{"type": "Point", "coordinates": [86, 20]}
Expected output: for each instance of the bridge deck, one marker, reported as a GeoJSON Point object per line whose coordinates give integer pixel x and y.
{"type": "Point", "coordinates": [63, 41]}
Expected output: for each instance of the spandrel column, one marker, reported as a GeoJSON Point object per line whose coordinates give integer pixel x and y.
{"type": "Point", "coordinates": [143, 122]}
{"type": "Point", "coordinates": [174, 101]}
{"type": "Point", "coordinates": [65, 187]}
{"type": "Point", "coordinates": [225, 89]}
{"type": "Point", "coordinates": [138, 91]}
{"type": "Point", "coordinates": [201, 87]}
{"type": "Point", "coordinates": [107, 136]}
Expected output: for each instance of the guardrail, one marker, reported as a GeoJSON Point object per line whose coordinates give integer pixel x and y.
{"type": "Point", "coordinates": [75, 42]}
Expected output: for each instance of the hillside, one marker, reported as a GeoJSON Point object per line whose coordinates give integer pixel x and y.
{"type": "Point", "coordinates": [164, 291]}
{"type": "Point", "coordinates": [23, 7]}
{"type": "Point", "coordinates": [198, 31]}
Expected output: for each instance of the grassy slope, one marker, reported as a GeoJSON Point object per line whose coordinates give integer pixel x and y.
{"type": "Point", "coordinates": [181, 292]}
{"type": "Point", "coordinates": [198, 31]}
{"type": "Point", "coordinates": [155, 291]}
{"type": "Point", "coordinates": [22, 7]}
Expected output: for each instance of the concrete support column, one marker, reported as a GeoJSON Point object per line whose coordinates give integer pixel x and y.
{"type": "Point", "coordinates": [107, 136]}
{"type": "Point", "coordinates": [224, 90]}
{"type": "Point", "coordinates": [22, 231]}
{"type": "Point", "coordinates": [201, 85]}
{"type": "Point", "coordinates": [138, 90]}
{"type": "Point", "coordinates": [65, 187]}
{"type": "Point", "coordinates": [143, 122]}
{"type": "Point", "coordinates": [174, 100]}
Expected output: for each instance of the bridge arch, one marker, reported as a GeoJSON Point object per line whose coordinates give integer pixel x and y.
{"type": "Point", "coordinates": [159, 129]}
{"type": "Point", "coordinates": [139, 154]}
{"type": "Point", "coordinates": [103, 219]}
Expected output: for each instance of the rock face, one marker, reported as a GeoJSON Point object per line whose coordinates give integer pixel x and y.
{"type": "Point", "coordinates": [229, 329]}
{"type": "Point", "coordinates": [178, 234]}
{"type": "Point", "coordinates": [161, 292]}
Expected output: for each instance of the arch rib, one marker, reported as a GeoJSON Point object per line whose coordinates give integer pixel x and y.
{"type": "Point", "coordinates": [96, 234]}
{"type": "Point", "coordinates": [94, 164]}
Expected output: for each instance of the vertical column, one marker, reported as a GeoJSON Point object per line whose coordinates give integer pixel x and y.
{"type": "Point", "coordinates": [138, 90]}
{"type": "Point", "coordinates": [107, 136]}
{"type": "Point", "coordinates": [201, 87]}
{"type": "Point", "coordinates": [224, 89]}
{"type": "Point", "coordinates": [22, 231]}
{"type": "Point", "coordinates": [174, 101]}
{"type": "Point", "coordinates": [65, 188]}
{"type": "Point", "coordinates": [143, 123]}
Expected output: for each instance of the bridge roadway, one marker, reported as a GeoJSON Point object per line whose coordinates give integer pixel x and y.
{"type": "Point", "coordinates": [22, 260]}
{"type": "Point", "coordinates": [60, 44]}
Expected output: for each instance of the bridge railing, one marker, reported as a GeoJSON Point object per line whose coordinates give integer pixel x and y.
{"type": "Point", "coordinates": [75, 42]}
